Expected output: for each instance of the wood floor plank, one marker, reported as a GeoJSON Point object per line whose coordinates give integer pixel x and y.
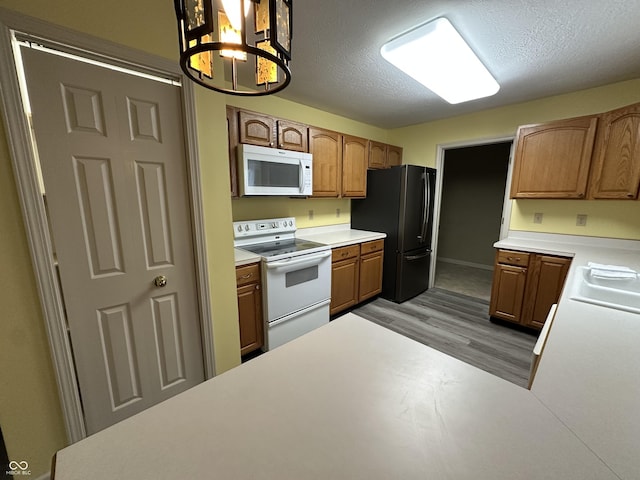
{"type": "Point", "coordinates": [459, 326]}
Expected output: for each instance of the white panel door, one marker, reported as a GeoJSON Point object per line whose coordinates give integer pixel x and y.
{"type": "Point", "coordinates": [112, 158]}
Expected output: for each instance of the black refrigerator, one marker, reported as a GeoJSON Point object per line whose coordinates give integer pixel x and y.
{"type": "Point", "coordinates": [400, 203]}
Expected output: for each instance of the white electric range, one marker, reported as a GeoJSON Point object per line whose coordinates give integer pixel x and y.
{"type": "Point", "coordinates": [296, 277]}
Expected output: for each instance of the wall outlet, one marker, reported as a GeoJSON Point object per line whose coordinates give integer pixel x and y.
{"type": "Point", "coordinates": [581, 220]}
{"type": "Point", "coordinates": [310, 214]}
{"type": "Point", "coordinates": [537, 217]}
{"type": "Point", "coordinates": [337, 213]}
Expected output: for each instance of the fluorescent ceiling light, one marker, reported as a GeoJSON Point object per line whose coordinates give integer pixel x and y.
{"type": "Point", "coordinates": [437, 56]}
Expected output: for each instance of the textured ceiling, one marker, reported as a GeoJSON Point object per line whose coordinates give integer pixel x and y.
{"type": "Point", "coordinates": [534, 49]}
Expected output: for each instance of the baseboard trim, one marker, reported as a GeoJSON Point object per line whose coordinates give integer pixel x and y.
{"type": "Point", "coordinates": [46, 476]}
{"type": "Point", "coordinates": [464, 263]}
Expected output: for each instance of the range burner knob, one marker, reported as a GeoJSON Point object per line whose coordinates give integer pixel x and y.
{"type": "Point", "coordinates": [290, 223]}
{"type": "Point", "coordinates": [246, 228]}
{"type": "Point", "coordinates": [239, 228]}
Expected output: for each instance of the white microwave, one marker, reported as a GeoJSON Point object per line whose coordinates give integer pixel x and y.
{"type": "Point", "coordinates": [271, 171]}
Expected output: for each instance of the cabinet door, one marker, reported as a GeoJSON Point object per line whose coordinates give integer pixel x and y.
{"type": "Point", "coordinates": [355, 159]}
{"type": "Point", "coordinates": [326, 148]}
{"type": "Point", "coordinates": [544, 286]}
{"type": "Point", "coordinates": [507, 292]}
{"type": "Point", "coordinates": [232, 132]}
{"type": "Point", "coordinates": [370, 275]}
{"type": "Point", "coordinates": [257, 129]}
{"type": "Point", "coordinates": [344, 284]}
{"type": "Point", "coordinates": [377, 155]}
{"type": "Point", "coordinates": [394, 155]}
{"type": "Point", "coordinates": [293, 136]}
{"type": "Point", "coordinates": [250, 318]}
{"type": "Point", "coordinates": [616, 159]}
{"type": "Point", "coordinates": [552, 160]}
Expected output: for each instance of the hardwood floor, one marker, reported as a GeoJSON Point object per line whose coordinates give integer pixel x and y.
{"type": "Point", "coordinates": [459, 326]}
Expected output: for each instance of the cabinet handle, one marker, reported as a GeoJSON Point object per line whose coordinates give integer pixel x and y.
{"type": "Point", "coordinates": [257, 287]}
{"type": "Point", "coordinates": [344, 254]}
{"type": "Point", "coordinates": [511, 259]}
{"type": "Point", "coordinates": [248, 275]}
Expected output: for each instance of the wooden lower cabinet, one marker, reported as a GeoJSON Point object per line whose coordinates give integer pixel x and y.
{"type": "Point", "coordinates": [371, 257]}
{"type": "Point", "coordinates": [525, 285]}
{"type": "Point", "coordinates": [545, 281]}
{"type": "Point", "coordinates": [356, 274]}
{"type": "Point", "coordinates": [507, 292]}
{"type": "Point", "coordinates": [345, 277]}
{"type": "Point", "coordinates": [249, 308]}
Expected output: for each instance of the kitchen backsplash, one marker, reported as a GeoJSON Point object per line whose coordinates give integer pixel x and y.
{"type": "Point", "coordinates": [310, 212]}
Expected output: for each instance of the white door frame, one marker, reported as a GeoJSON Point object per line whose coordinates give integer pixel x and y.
{"type": "Point", "coordinates": [506, 204]}
{"type": "Point", "coordinates": [34, 215]}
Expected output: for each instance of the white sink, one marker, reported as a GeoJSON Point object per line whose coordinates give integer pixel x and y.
{"type": "Point", "coordinates": [618, 293]}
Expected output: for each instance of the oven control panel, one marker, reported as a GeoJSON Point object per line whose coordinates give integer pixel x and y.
{"type": "Point", "coordinates": [257, 228]}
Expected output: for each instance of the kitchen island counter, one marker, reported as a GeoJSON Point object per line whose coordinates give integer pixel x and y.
{"type": "Point", "coordinates": [350, 400]}
{"type": "Point", "coordinates": [589, 372]}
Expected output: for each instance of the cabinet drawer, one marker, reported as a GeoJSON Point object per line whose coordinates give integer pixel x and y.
{"type": "Point", "coordinates": [374, 246]}
{"type": "Point", "coordinates": [343, 253]}
{"type": "Point", "coordinates": [508, 257]}
{"type": "Point", "coordinates": [248, 274]}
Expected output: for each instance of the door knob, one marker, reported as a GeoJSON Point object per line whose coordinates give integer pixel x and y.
{"type": "Point", "coordinates": [160, 281]}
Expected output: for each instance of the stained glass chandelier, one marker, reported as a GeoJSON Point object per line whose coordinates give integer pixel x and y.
{"type": "Point", "coordinates": [237, 47]}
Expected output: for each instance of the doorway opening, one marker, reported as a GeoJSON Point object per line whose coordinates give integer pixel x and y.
{"type": "Point", "coordinates": [474, 184]}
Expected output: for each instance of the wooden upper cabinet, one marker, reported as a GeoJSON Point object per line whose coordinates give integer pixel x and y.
{"type": "Point", "coordinates": [615, 171]}
{"type": "Point", "coordinates": [232, 132]}
{"type": "Point", "coordinates": [355, 160]}
{"type": "Point", "coordinates": [382, 155]}
{"type": "Point", "coordinates": [552, 160]}
{"type": "Point", "coordinates": [377, 154]}
{"type": "Point", "coordinates": [293, 136]}
{"type": "Point", "coordinates": [394, 155]}
{"type": "Point", "coordinates": [326, 148]}
{"type": "Point", "coordinates": [257, 129]}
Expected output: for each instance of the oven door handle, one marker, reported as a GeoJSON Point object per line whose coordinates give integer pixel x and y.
{"type": "Point", "coordinates": [306, 261]}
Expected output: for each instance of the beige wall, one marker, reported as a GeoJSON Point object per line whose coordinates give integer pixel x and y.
{"type": "Point", "coordinates": [605, 218]}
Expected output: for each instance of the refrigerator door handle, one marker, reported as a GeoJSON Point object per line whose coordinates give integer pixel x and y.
{"type": "Point", "coordinates": [425, 207]}
{"type": "Point", "coordinates": [411, 258]}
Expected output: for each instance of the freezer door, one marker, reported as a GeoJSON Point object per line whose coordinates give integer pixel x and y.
{"type": "Point", "coordinates": [413, 274]}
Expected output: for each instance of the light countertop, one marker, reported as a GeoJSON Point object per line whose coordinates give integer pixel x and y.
{"type": "Point", "coordinates": [589, 372]}
{"type": "Point", "coordinates": [338, 235]}
{"type": "Point", "coordinates": [350, 400]}
{"type": "Point", "coordinates": [243, 257]}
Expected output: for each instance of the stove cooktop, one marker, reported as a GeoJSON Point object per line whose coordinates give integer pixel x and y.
{"type": "Point", "coordinates": [278, 248]}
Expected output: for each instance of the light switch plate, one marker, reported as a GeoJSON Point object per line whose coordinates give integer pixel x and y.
{"type": "Point", "coordinates": [537, 217]}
